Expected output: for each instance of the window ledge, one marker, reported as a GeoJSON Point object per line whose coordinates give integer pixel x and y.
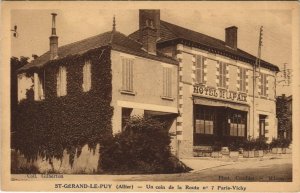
{"type": "Point", "coordinates": [127, 92]}
{"type": "Point", "coordinates": [243, 92]}
{"type": "Point", "coordinates": [167, 98]}
{"type": "Point", "coordinates": [263, 97]}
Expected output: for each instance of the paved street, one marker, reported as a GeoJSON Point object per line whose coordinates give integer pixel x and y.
{"type": "Point", "coordinates": [270, 168]}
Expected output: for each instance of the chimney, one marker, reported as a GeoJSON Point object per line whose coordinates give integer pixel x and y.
{"type": "Point", "coordinates": [149, 14]}
{"type": "Point", "coordinates": [231, 37]}
{"type": "Point", "coordinates": [149, 37]}
{"type": "Point", "coordinates": [53, 40]}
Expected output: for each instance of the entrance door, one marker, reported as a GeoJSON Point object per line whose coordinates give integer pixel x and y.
{"type": "Point", "coordinates": [262, 125]}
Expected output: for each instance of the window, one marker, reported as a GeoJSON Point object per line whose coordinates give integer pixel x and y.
{"type": "Point", "coordinates": [86, 86]}
{"type": "Point", "coordinates": [199, 69]}
{"type": "Point", "coordinates": [204, 123]}
{"type": "Point", "coordinates": [126, 112]}
{"type": "Point", "coordinates": [38, 87]}
{"type": "Point", "coordinates": [62, 81]}
{"type": "Point", "coordinates": [262, 125]}
{"type": "Point", "coordinates": [127, 74]}
{"type": "Point", "coordinates": [167, 82]}
{"type": "Point", "coordinates": [222, 74]}
{"type": "Point", "coordinates": [263, 84]}
{"type": "Point", "coordinates": [243, 78]}
{"type": "Point", "coordinates": [237, 126]}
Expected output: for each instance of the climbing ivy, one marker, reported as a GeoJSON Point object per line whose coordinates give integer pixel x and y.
{"type": "Point", "coordinates": [55, 124]}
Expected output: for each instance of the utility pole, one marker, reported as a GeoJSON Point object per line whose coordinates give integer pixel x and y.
{"type": "Point", "coordinates": [257, 65]}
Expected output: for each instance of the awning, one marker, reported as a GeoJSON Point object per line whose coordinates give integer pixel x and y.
{"type": "Point", "coordinates": [220, 103]}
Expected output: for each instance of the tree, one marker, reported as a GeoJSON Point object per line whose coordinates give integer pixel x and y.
{"type": "Point", "coordinates": [282, 115]}
{"type": "Point", "coordinates": [15, 64]}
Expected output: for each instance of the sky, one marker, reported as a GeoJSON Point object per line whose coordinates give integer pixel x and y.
{"type": "Point", "coordinates": [34, 28]}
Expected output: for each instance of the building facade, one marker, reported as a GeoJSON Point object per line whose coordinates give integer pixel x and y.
{"type": "Point", "coordinates": [203, 87]}
{"type": "Point", "coordinates": [217, 101]}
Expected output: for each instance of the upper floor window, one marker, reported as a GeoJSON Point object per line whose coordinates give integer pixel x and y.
{"type": "Point", "coordinates": [263, 84]}
{"type": "Point", "coordinates": [243, 78]}
{"type": "Point", "coordinates": [38, 87]}
{"type": "Point", "coordinates": [87, 82]}
{"type": "Point", "coordinates": [127, 74]}
{"type": "Point", "coordinates": [167, 82]}
{"type": "Point", "coordinates": [199, 69]}
{"type": "Point", "coordinates": [222, 74]}
{"type": "Point", "coordinates": [62, 81]}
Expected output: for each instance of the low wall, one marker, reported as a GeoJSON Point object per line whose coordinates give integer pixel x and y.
{"type": "Point", "coordinates": [87, 162]}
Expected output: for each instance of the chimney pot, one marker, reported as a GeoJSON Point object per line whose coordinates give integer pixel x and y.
{"type": "Point", "coordinates": [149, 29]}
{"type": "Point", "coordinates": [53, 40]}
{"type": "Point", "coordinates": [231, 37]}
{"type": "Point", "coordinates": [149, 17]}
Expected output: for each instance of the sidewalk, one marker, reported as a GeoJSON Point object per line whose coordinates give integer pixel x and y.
{"type": "Point", "coordinates": [202, 163]}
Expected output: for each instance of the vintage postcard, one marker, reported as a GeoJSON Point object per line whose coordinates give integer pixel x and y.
{"type": "Point", "coordinates": [150, 96]}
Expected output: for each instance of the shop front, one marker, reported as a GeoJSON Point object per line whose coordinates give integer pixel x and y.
{"type": "Point", "coordinates": [217, 121]}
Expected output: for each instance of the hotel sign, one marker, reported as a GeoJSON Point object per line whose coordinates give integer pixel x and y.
{"type": "Point", "coordinates": [220, 93]}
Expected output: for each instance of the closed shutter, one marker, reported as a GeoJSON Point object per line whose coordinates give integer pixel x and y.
{"type": "Point", "coordinates": [243, 79]}
{"type": "Point", "coordinates": [62, 81]}
{"type": "Point", "coordinates": [222, 76]}
{"type": "Point", "coordinates": [167, 82]}
{"type": "Point", "coordinates": [127, 74]}
{"type": "Point", "coordinates": [200, 69]}
{"type": "Point", "coordinates": [58, 82]}
{"type": "Point", "coordinates": [86, 76]}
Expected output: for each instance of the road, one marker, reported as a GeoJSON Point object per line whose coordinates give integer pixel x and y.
{"type": "Point", "coordinates": [267, 169]}
{"type": "Point", "coordinates": [271, 170]}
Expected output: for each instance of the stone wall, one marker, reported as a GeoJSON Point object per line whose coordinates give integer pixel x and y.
{"type": "Point", "coordinates": [85, 163]}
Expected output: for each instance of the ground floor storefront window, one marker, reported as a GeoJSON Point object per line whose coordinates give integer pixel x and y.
{"type": "Point", "coordinates": [222, 124]}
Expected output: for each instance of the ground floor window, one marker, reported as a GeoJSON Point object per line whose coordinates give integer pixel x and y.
{"type": "Point", "coordinates": [217, 123]}
{"type": "Point", "coordinates": [204, 123]}
{"type": "Point", "coordinates": [237, 123]}
{"type": "Point", "coordinates": [262, 125]}
{"type": "Point", "coordinates": [126, 112]}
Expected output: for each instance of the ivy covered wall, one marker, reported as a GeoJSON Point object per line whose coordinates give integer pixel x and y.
{"type": "Point", "coordinates": [50, 126]}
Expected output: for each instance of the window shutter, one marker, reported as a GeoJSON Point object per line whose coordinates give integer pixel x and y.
{"type": "Point", "coordinates": [169, 82]}
{"type": "Point", "coordinates": [86, 70]}
{"type": "Point", "coordinates": [199, 69]}
{"type": "Point", "coordinates": [89, 77]}
{"type": "Point", "coordinates": [131, 75]}
{"type": "Point", "coordinates": [127, 74]}
{"type": "Point", "coordinates": [64, 81]}
{"type": "Point", "coordinates": [58, 82]}
{"type": "Point", "coordinates": [84, 77]}
{"type": "Point", "coordinates": [123, 73]}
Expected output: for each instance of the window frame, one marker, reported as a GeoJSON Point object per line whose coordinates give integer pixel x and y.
{"type": "Point", "coordinates": [238, 120]}
{"type": "Point", "coordinates": [207, 116]}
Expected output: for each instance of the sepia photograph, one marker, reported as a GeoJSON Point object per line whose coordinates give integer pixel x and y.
{"type": "Point", "coordinates": [105, 97]}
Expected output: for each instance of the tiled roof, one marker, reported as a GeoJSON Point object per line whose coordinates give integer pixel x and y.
{"type": "Point", "coordinates": [115, 39]}
{"type": "Point", "coordinates": [170, 32]}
